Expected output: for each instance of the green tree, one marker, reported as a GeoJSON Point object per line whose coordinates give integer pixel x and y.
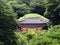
{"type": "Point", "coordinates": [22, 7]}
{"type": "Point", "coordinates": [8, 23]}
{"type": "Point", "coordinates": [38, 6]}
{"type": "Point", "coordinates": [52, 10]}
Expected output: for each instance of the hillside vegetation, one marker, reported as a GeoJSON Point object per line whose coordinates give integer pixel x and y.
{"type": "Point", "coordinates": [12, 11]}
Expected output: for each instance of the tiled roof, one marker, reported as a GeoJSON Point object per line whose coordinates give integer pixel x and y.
{"type": "Point", "coordinates": [32, 21]}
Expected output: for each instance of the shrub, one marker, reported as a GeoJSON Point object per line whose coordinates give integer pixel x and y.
{"type": "Point", "coordinates": [45, 37]}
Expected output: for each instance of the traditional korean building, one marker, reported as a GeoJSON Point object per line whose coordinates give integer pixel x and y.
{"type": "Point", "coordinates": [32, 24]}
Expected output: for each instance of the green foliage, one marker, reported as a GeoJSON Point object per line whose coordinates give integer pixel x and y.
{"type": "Point", "coordinates": [7, 16]}
{"type": "Point", "coordinates": [22, 7]}
{"type": "Point", "coordinates": [52, 10]}
{"type": "Point", "coordinates": [45, 37]}
{"type": "Point", "coordinates": [38, 6]}
{"type": "Point", "coordinates": [21, 39]}
{"type": "Point", "coordinates": [8, 23]}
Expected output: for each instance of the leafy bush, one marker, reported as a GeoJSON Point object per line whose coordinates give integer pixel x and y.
{"type": "Point", "coordinates": [8, 23]}
{"type": "Point", "coordinates": [45, 37]}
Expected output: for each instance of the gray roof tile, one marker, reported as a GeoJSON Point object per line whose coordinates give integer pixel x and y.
{"type": "Point", "coordinates": [32, 21]}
